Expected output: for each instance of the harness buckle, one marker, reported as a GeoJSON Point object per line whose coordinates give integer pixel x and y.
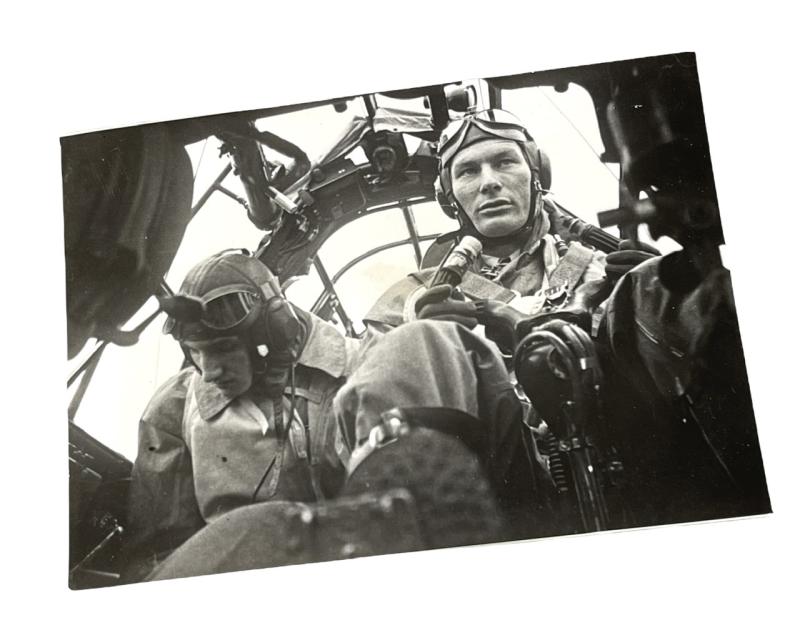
{"type": "Point", "coordinates": [392, 426]}
{"type": "Point", "coordinates": [556, 295]}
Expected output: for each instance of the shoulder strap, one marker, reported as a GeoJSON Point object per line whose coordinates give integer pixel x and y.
{"type": "Point", "coordinates": [564, 278]}
{"type": "Point", "coordinates": [473, 285]}
{"type": "Point", "coordinates": [479, 287]}
{"type": "Point", "coordinates": [273, 408]}
{"type": "Point", "coordinates": [298, 439]}
{"type": "Point", "coordinates": [570, 269]}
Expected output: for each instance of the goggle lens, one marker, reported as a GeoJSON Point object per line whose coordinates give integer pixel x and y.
{"type": "Point", "coordinates": [222, 313]}
{"type": "Point", "coordinates": [228, 311]}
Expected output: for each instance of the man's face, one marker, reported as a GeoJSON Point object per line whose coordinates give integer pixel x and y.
{"type": "Point", "coordinates": [224, 362]}
{"type": "Point", "coordinates": [492, 183]}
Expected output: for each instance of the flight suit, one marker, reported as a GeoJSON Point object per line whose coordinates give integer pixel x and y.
{"type": "Point", "coordinates": [202, 455]}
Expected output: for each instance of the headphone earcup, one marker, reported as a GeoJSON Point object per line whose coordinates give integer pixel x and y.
{"type": "Point", "coordinates": [281, 324]}
{"type": "Point", "coordinates": [443, 201]}
{"type": "Point", "coordinates": [545, 173]}
{"type": "Point", "coordinates": [540, 160]}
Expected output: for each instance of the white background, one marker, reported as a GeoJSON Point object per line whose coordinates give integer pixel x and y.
{"type": "Point", "coordinates": [85, 67]}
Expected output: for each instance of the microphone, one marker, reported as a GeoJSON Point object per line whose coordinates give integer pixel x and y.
{"type": "Point", "coordinates": [451, 272]}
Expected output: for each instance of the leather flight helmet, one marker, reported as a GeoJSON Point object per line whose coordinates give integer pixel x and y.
{"type": "Point", "coordinates": [222, 296]}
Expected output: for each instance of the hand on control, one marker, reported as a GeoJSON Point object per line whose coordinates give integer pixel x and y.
{"type": "Point", "coordinates": [441, 303]}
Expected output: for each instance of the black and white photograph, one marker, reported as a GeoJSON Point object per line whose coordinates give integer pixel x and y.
{"type": "Point", "coordinates": [486, 310]}
{"type": "Point", "coordinates": [403, 322]}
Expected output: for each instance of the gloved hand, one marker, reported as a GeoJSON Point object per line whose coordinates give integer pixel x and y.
{"type": "Point", "coordinates": [630, 254]}
{"type": "Point", "coordinates": [440, 303]}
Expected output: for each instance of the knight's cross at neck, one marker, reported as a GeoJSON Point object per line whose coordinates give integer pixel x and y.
{"type": "Point", "coordinates": [492, 269]}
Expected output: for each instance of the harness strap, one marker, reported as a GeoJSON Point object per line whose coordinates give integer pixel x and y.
{"type": "Point", "coordinates": [563, 280]}
{"type": "Point", "coordinates": [297, 430]}
{"type": "Point", "coordinates": [474, 286]}
{"type": "Point", "coordinates": [303, 443]}
{"type": "Point", "coordinates": [570, 269]}
{"type": "Point", "coordinates": [273, 470]}
{"type": "Point", "coordinates": [479, 287]}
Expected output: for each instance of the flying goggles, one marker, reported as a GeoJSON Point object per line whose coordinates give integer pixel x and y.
{"type": "Point", "coordinates": [496, 123]}
{"type": "Point", "coordinates": [226, 310]}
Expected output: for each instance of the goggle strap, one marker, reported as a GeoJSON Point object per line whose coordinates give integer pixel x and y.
{"type": "Point", "coordinates": [221, 291]}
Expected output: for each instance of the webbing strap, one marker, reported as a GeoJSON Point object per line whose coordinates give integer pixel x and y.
{"type": "Point", "coordinates": [297, 431]}
{"type": "Point", "coordinates": [570, 269]}
{"type": "Point", "coordinates": [474, 286]}
{"type": "Point", "coordinates": [273, 470]}
{"type": "Point", "coordinates": [564, 278]}
{"type": "Point", "coordinates": [282, 433]}
{"type": "Point", "coordinates": [478, 287]}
